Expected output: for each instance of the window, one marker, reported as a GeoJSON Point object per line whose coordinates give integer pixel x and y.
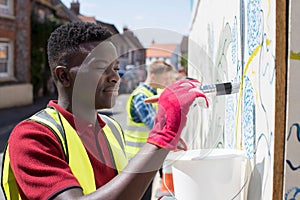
{"type": "Point", "coordinates": [41, 15]}
{"type": "Point", "coordinates": [6, 7]}
{"type": "Point", "coordinates": [6, 57]}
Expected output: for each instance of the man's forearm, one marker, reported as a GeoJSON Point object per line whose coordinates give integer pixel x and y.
{"type": "Point", "coordinates": [132, 182]}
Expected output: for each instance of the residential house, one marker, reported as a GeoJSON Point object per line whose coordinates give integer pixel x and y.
{"type": "Point", "coordinates": [53, 10]}
{"type": "Point", "coordinates": [130, 50]}
{"type": "Point", "coordinates": [46, 15]}
{"type": "Point", "coordinates": [138, 50]}
{"type": "Point", "coordinates": [21, 76]}
{"type": "Point", "coordinates": [15, 86]}
{"type": "Point", "coordinates": [166, 52]}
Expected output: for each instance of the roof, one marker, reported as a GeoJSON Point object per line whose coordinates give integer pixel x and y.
{"type": "Point", "coordinates": [160, 50]}
{"type": "Point", "coordinates": [63, 12]}
{"type": "Point", "coordinates": [92, 19]}
{"type": "Point", "coordinates": [136, 42]}
{"type": "Point", "coordinates": [87, 19]}
{"type": "Point", "coordinates": [127, 41]}
{"type": "Point", "coordinates": [110, 27]}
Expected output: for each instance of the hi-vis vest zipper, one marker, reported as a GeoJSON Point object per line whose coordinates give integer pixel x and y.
{"type": "Point", "coordinates": [136, 133]}
{"type": "Point", "coordinates": [74, 150]}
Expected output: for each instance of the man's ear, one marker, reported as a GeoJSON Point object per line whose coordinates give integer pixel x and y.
{"type": "Point", "coordinates": [152, 77]}
{"type": "Point", "coordinates": [63, 76]}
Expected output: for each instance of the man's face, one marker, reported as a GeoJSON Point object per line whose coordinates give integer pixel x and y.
{"type": "Point", "coordinates": [97, 80]}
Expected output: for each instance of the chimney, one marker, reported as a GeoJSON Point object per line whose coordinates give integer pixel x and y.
{"type": "Point", "coordinates": [75, 6]}
{"type": "Point", "coordinates": [125, 28]}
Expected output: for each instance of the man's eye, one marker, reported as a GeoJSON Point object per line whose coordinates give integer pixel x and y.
{"type": "Point", "coordinates": [117, 68]}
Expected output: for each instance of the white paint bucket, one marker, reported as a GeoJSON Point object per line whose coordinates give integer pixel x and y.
{"type": "Point", "coordinates": [217, 174]}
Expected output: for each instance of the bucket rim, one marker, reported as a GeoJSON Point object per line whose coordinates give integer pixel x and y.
{"type": "Point", "coordinates": [200, 154]}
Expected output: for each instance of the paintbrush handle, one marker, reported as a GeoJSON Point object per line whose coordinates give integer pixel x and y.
{"type": "Point", "coordinates": [218, 89]}
{"type": "Point", "coordinates": [152, 99]}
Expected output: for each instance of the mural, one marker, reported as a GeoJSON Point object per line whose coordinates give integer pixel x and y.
{"type": "Point", "coordinates": [237, 44]}
{"type": "Point", "coordinates": [292, 175]}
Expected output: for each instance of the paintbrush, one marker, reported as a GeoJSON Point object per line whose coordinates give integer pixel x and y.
{"type": "Point", "coordinates": [218, 89]}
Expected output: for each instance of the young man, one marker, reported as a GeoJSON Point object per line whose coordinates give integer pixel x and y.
{"type": "Point", "coordinates": [140, 115]}
{"type": "Point", "coordinates": [67, 150]}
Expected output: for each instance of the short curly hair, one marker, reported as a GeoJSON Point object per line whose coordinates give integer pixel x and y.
{"type": "Point", "coordinates": [64, 42]}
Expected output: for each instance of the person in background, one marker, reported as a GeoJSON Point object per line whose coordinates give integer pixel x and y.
{"type": "Point", "coordinates": [140, 115]}
{"type": "Point", "coordinates": [68, 150]}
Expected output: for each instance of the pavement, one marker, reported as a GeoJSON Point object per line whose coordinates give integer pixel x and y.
{"type": "Point", "coordinates": [11, 116]}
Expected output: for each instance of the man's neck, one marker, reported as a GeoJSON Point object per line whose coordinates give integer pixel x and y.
{"type": "Point", "coordinates": [150, 84]}
{"type": "Point", "coordinates": [81, 111]}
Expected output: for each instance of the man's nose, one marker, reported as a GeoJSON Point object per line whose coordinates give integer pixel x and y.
{"type": "Point", "coordinates": [113, 75]}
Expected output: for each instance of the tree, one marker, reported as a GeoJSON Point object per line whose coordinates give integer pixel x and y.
{"type": "Point", "coordinates": [39, 69]}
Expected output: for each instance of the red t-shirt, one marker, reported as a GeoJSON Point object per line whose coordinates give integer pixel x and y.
{"type": "Point", "coordinates": [38, 160]}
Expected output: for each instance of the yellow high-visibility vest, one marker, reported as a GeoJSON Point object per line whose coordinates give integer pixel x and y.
{"type": "Point", "coordinates": [74, 150]}
{"type": "Point", "coordinates": [136, 133]}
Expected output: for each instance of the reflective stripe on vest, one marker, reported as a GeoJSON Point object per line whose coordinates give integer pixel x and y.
{"type": "Point", "coordinates": [136, 133]}
{"type": "Point", "coordinates": [8, 181]}
{"type": "Point", "coordinates": [116, 140]}
{"type": "Point", "coordinates": [74, 150]}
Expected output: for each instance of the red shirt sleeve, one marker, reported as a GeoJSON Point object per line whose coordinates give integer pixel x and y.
{"type": "Point", "coordinates": [38, 162]}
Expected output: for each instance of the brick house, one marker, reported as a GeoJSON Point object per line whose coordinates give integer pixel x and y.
{"type": "Point", "coordinates": [46, 15]}
{"type": "Point", "coordinates": [15, 86]}
{"type": "Point", "coordinates": [16, 36]}
{"type": "Point", "coordinates": [129, 48]}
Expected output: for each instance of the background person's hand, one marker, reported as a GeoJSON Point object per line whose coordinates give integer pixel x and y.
{"type": "Point", "coordinates": [173, 106]}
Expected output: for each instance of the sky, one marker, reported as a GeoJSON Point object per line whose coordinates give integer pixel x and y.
{"type": "Point", "coordinates": [164, 21]}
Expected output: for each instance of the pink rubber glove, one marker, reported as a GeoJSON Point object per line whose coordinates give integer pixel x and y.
{"type": "Point", "coordinates": [173, 106]}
